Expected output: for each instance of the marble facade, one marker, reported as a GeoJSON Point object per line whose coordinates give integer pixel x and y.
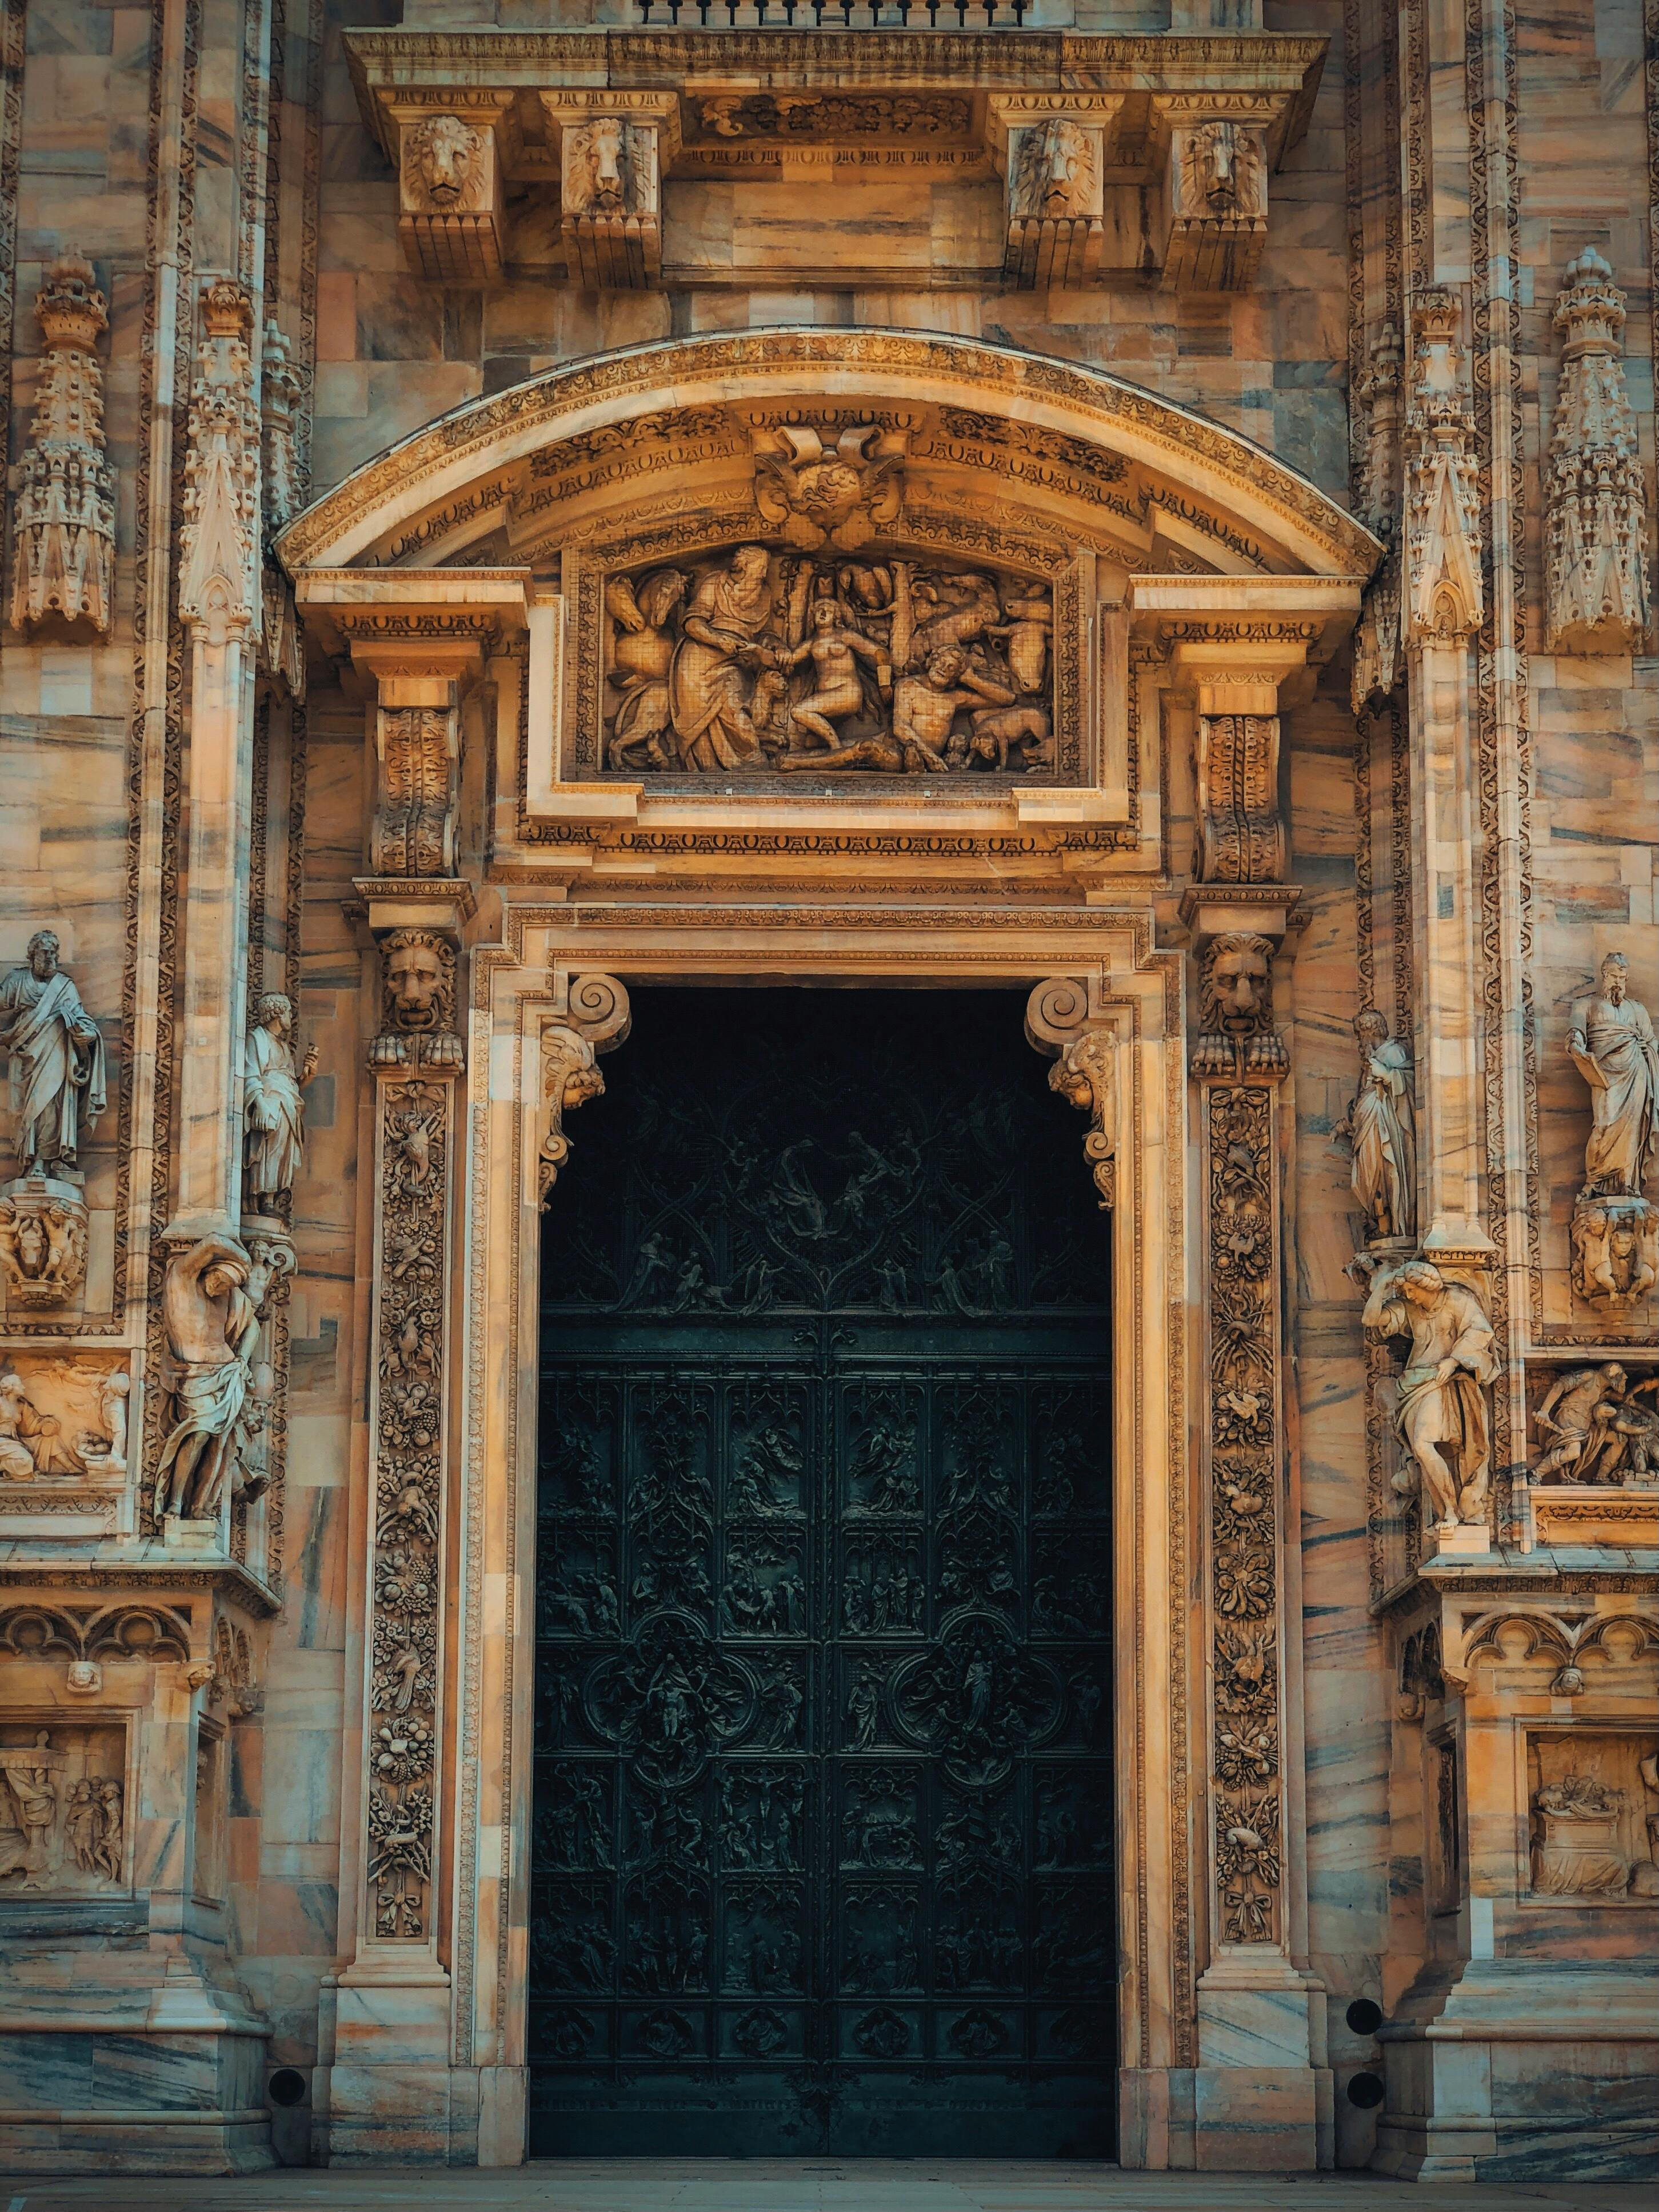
{"type": "Point", "coordinates": [1229, 427]}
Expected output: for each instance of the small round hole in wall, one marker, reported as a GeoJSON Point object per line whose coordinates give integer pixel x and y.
{"type": "Point", "coordinates": [287, 2086]}
{"type": "Point", "coordinates": [1365, 2090]}
{"type": "Point", "coordinates": [1365, 2018]}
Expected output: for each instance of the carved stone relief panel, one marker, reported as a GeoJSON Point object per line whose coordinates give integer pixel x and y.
{"type": "Point", "coordinates": [1592, 1810]}
{"type": "Point", "coordinates": [63, 1444]}
{"type": "Point", "coordinates": [761, 660]}
{"type": "Point", "coordinates": [63, 1809]}
{"type": "Point", "coordinates": [1597, 1424]}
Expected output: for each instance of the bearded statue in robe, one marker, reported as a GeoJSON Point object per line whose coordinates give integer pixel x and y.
{"type": "Point", "coordinates": [57, 1055]}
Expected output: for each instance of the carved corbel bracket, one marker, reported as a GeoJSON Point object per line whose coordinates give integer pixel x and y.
{"type": "Point", "coordinates": [1214, 214]}
{"type": "Point", "coordinates": [1055, 155]}
{"type": "Point", "coordinates": [591, 1015]}
{"type": "Point", "coordinates": [612, 149]}
{"type": "Point", "coordinates": [452, 216]}
{"type": "Point", "coordinates": [1237, 671]}
{"type": "Point", "coordinates": [1063, 1019]}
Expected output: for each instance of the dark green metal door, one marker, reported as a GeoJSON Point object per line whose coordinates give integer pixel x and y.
{"type": "Point", "coordinates": [823, 1843]}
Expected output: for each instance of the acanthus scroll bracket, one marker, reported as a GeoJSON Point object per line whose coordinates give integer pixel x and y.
{"type": "Point", "coordinates": [1064, 1018]}
{"type": "Point", "coordinates": [591, 1015]}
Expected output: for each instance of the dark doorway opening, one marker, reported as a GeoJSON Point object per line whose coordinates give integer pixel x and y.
{"type": "Point", "coordinates": [822, 1856]}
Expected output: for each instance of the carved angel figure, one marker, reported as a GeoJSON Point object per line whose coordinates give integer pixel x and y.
{"type": "Point", "coordinates": [1442, 1406]}
{"type": "Point", "coordinates": [1381, 1125]}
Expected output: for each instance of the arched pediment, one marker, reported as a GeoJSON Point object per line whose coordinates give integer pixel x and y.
{"type": "Point", "coordinates": [656, 429]}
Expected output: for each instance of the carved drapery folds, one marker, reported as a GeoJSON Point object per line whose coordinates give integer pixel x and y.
{"type": "Point", "coordinates": [451, 216]}
{"type": "Point", "coordinates": [1055, 189]}
{"type": "Point", "coordinates": [1444, 595]}
{"type": "Point", "coordinates": [1062, 1018]}
{"type": "Point", "coordinates": [1595, 583]}
{"type": "Point", "coordinates": [219, 534]}
{"type": "Point", "coordinates": [64, 541]}
{"type": "Point", "coordinates": [1381, 1125]}
{"type": "Point", "coordinates": [1215, 193]}
{"type": "Point", "coordinates": [611, 189]}
{"type": "Point", "coordinates": [1442, 1415]}
{"type": "Point", "coordinates": [1599, 1426]}
{"type": "Point", "coordinates": [593, 1018]}
{"type": "Point", "coordinates": [414, 1060]}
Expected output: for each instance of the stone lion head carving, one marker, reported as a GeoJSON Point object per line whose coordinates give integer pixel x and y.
{"type": "Point", "coordinates": [443, 161]}
{"type": "Point", "coordinates": [597, 165]}
{"type": "Point", "coordinates": [420, 981]}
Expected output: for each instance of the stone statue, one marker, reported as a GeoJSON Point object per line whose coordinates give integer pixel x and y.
{"type": "Point", "coordinates": [1382, 1127]}
{"type": "Point", "coordinates": [43, 1241]}
{"type": "Point", "coordinates": [1441, 1392]}
{"type": "Point", "coordinates": [212, 1332]}
{"type": "Point", "coordinates": [1612, 1045]}
{"type": "Point", "coordinates": [720, 647]}
{"type": "Point", "coordinates": [57, 1070]}
{"type": "Point", "coordinates": [273, 1109]}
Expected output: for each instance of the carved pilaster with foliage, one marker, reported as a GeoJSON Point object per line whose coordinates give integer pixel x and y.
{"type": "Point", "coordinates": [1245, 1454]}
{"type": "Point", "coordinates": [64, 517]}
{"type": "Point", "coordinates": [414, 1143]}
{"type": "Point", "coordinates": [1595, 585]}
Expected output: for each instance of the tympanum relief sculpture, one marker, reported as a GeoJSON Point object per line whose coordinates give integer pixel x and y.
{"type": "Point", "coordinates": [1600, 1425]}
{"type": "Point", "coordinates": [59, 1089]}
{"type": "Point", "coordinates": [1381, 1125]}
{"type": "Point", "coordinates": [1441, 1415]}
{"type": "Point", "coordinates": [1615, 1230]}
{"type": "Point", "coordinates": [762, 662]}
{"type": "Point", "coordinates": [63, 1822]}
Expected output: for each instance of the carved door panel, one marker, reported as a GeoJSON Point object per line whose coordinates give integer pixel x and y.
{"type": "Point", "coordinates": [822, 1830]}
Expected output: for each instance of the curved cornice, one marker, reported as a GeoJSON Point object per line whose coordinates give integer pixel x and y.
{"type": "Point", "coordinates": [1234, 475]}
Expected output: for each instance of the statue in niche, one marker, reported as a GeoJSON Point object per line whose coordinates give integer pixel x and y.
{"type": "Point", "coordinates": [1576, 1851]}
{"type": "Point", "coordinates": [766, 663]}
{"type": "Point", "coordinates": [273, 1109]}
{"type": "Point", "coordinates": [213, 1333]}
{"type": "Point", "coordinates": [1612, 1045]}
{"type": "Point", "coordinates": [1382, 1127]}
{"type": "Point", "coordinates": [1442, 1406]}
{"type": "Point", "coordinates": [56, 1055]}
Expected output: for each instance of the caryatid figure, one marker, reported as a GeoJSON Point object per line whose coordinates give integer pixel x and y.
{"type": "Point", "coordinates": [56, 1054]}
{"type": "Point", "coordinates": [213, 1331]}
{"type": "Point", "coordinates": [1612, 1045]}
{"type": "Point", "coordinates": [1381, 1125]}
{"type": "Point", "coordinates": [272, 1108]}
{"type": "Point", "coordinates": [1443, 1391]}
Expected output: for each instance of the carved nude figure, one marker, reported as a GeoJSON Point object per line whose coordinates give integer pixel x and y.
{"type": "Point", "coordinates": [1382, 1127]}
{"type": "Point", "coordinates": [1442, 1401]}
{"type": "Point", "coordinates": [1612, 1045]}
{"type": "Point", "coordinates": [925, 706]}
{"type": "Point", "coordinates": [720, 647]}
{"type": "Point", "coordinates": [212, 1331]}
{"type": "Point", "coordinates": [273, 1109]}
{"type": "Point", "coordinates": [835, 648]}
{"type": "Point", "coordinates": [57, 1055]}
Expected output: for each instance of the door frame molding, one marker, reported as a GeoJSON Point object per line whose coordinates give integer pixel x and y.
{"type": "Point", "coordinates": [521, 986]}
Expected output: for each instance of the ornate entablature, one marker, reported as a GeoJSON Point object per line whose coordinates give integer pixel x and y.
{"type": "Point", "coordinates": [1078, 159]}
{"type": "Point", "coordinates": [851, 586]}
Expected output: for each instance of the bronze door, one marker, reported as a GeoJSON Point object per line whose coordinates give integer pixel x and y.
{"type": "Point", "coordinates": [823, 1841]}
